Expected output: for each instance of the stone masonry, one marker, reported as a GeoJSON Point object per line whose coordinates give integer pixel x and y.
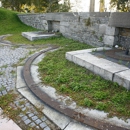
{"type": "Point", "coordinates": [94, 28]}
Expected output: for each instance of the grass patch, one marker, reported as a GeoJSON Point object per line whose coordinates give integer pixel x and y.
{"type": "Point", "coordinates": [10, 23]}
{"type": "Point", "coordinates": [6, 103]}
{"type": "Point", "coordinates": [84, 87]}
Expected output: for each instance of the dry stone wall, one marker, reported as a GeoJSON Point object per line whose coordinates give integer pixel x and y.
{"type": "Point", "coordinates": [91, 28]}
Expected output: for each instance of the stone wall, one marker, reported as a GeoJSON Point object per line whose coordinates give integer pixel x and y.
{"type": "Point", "coordinates": [91, 28]}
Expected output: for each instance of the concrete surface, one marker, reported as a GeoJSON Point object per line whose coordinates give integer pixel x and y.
{"type": "Point", "coordinates": [35, 35]}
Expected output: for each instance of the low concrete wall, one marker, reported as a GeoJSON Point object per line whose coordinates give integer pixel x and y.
{"type": "Point", "coordinates": [91, 28]}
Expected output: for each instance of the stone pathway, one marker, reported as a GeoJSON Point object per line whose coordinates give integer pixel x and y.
{"type": "Point", "coordinates": [30, 118]}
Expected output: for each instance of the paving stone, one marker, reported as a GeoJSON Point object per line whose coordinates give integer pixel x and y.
{"type": "Point", "coordinates": [34, 118]}
{"type": "Point", "coordinates": [23, 109]}
{"type": "Point", "coordinates": [32, 124]}
{"type": "Point", "coordinates": [21, 115]}
{"type": "Point", "coordinates": [27, 104]}
{"type": "Point", "coordinates": [30, 114]}
{"type": "Point", "coordinates": [44, 118]}
{"type": "Point", "coordinates": [20, 81]}
{"type": "Point", "coordinates": [27, 121]}
{"type": "Point", "coordinates": [43, 125]}
{"type": "Point", "coordinates": [47, 128]}
{"type": "Point", "coordinates": [38, 121]}
{"type": "Point", "coordinates": [24, 118]}
{"type": "Point", "coordinates": [4, 92]}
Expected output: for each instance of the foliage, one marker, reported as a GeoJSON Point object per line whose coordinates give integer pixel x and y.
{"type": "Point", "coordinates": [10, 23]}
{"type": "Point", "coordinates": [65, 7]}
{"type": "Point", "coordinates": [121, 5]}
{"type": "Point", "coordinates": [40, 5]}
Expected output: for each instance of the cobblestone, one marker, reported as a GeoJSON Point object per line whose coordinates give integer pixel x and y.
{"type": "Point", "coordinates": [38, 121]}
{"type": "Point", "coordinates": [9, 58]}
{"type": "Point", "coordinates": [34, 118]}
{"type": "Point", "coordinates": [27, 121]}
{"type": "Point", "coordinates": [43, 125]}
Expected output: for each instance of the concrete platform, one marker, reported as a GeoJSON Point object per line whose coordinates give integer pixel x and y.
{"type": "Point", "coordinates": [37, 35]}
{"type": "Point", "coordinates": [100, 66]}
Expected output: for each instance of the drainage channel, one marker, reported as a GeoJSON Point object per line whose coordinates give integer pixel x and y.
{"type": "Point", "coordinates": [98, 124]}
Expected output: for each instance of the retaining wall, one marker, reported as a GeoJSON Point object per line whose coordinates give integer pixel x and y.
{"type": "Point", "coordinates": [96, 29]}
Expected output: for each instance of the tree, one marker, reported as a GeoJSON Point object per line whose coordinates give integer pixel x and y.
{"type": "Point", "coordinates": [40, 5]}
{"type": "Point", "coordinates": [121, 5]}
{"type": "Point", "coordinates": [14, 4]}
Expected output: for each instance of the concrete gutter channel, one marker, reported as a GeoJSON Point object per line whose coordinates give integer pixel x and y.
{"type": "Point", "coordinates": [64, 117]}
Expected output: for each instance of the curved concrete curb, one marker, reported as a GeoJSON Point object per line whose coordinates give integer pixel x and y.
{"type": "Point", "coordinates": [57, 106]}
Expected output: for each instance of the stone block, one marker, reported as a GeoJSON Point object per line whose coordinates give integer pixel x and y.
{"type": "Point", "coordinates": [66, 24]}
{"type": "Point", "coordinates": [102, 29]}
{"type": "Point", "coordinates": [36, 35]}
{"type": "Point", "coordinates": [123, 78]}
{"type": "Point", "coordinates": [120, 19]}
{"type": "Point", "coordinates": [109, 40]}
{"type": "Point", "coordinates": [111, 31]}
{"type": "Point", "coordinates": [78, 126]}
{"type": "Point", "coordinates": [59, 119]}
{"type": "Point", "coordinates": [62, 29]}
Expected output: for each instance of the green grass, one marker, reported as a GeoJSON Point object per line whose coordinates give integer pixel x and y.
{"type": "Point", "coordinates": [86, 88]}
{"type": "Point", "coordinates": [10, 23]}
{"type": "Point", "coordinates": [8, 107]}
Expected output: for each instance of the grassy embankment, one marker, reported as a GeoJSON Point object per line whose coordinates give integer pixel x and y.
{"type": "Point", "coordinates": [86, 88]}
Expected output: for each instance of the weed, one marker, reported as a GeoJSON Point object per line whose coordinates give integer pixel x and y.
{"type": "Point", "coordinates": [127, 63]}
{"type": "Point", "coordinates": [4, 66]}
{"type": "Point", "coordinates": [100, 95]}
{"type": "Point", "coordinates": [21, 103]}
{"type": "Point", "coordinates": [2, 88]}
{"type": "Point", "coordinates": [100, 38]}
{"type": "Point", "coordinates": [101, 106]}
{"type": "Point", "coordinates": [88, 22]}
{"type": "Point", "coordinates": [8, 109]}
{"type": "Point", "coordinates": [1, 73]}
{"type": "Point", "coordinates": [88, 102]}
{"type": "Point", "coordinates": [13, 72]}
{"type": "Point", "coordinates": [120, 62]}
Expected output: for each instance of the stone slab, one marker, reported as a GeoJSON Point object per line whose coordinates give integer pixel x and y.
{"type": "Point", "coordinates": [20, 81]}
{"type": "Point", "coordinates": [35, 74]}
{"type": "Point", "coordinates": [35, 36]}
{"type": "Point", "coordinates": [77, 126]}
{"type": "Point", "coordinates": [100, 66]}
{"type": "Point", "coordinates": [120, 19]}
{"type": "Point", "coordinates": [30, 96]}
{"type": "Point", "coordinates": [123, 78]}
{"type": "Point", "coordinates": [109, 40]}
{"type": "Point", "coordinates": [7, 124]}
{"type": "Point", "coordinates": [102, 29]}
{"type": "Point", "coordinates": [59, 119]}
{"type": "Point", "coordinates": [69, 55]}
{"type": "Point", "coordinates": [111, 31]}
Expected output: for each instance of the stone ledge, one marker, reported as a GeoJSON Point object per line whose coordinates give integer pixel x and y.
{"type": "Point", "coordinates": [105, 68]}
{"type": "Point", "coordinates": [119, 19]}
